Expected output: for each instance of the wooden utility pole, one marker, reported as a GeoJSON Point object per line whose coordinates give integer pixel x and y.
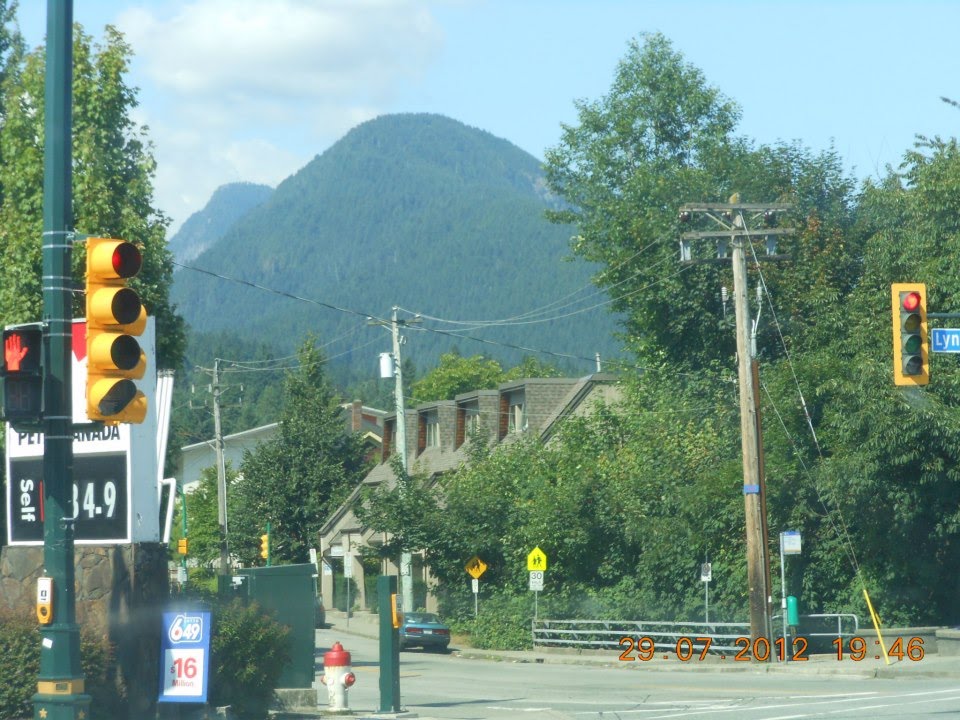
{"type": "Point", "coordinates": [732, 220]}
{"type": "Point", "coordinates": [406, 557]}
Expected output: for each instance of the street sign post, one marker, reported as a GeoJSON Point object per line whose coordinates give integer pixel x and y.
{"type": "Point", "coordinates": [945, 340]}
{"type": "Point", "coordinates": [706, 575]}
{"type": "Point", "coordinates": [475, 567]}
{"type": "Point", "coordinates": [790, 544]}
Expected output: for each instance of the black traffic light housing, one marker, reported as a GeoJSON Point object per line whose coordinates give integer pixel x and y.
{"type": "Point", "coordinates": [23, 373]}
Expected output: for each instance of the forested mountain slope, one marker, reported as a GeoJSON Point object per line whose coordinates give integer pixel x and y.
{"type": "Point", "coordinates": [226, 206]}
{"type": "Point", "coordinates": [418, 211]}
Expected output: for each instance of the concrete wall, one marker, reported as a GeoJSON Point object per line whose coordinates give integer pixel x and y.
{"type": "Point", "coordinates": [120, 590]}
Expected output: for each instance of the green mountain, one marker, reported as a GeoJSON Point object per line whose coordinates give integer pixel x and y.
{"type": "Point", "coordinates": [418, 211]}
{"type": "Point", "coordinates": [228, 204]}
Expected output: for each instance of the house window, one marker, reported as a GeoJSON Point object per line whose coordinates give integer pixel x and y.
{"type": "Point", "coordinates": [515, 420]}
{"type": "Point", "coordinates": [433, 432]}
{"type": "Point", "coordinates": [387, 439]}
{"type": "Point", "coordinates": [428, 435]}
{"type": "Point", "coordinates": [471, 420]}
{"type": "Point", "coordinates": [512, 416]}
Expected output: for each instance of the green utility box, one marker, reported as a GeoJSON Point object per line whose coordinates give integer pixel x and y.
{"type": "Point", "coordinates": [289, 590]}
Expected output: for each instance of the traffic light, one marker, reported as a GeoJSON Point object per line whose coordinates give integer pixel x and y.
{"type": "Point", "coordinates": [115, 316]}
{"type": "Point", "coordinates": [182, 546]}
{"type": "Point", "coordinates": [23, 373]}
{"type": "Point", "coordinates": [265, 546]}
{"type": "Point", "coordinates": [911, 347]}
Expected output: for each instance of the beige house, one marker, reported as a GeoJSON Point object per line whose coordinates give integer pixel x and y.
{"type": "Point", "coordinates": [194, 459]}
{"type": "Point", "coordinates": [437, 434]}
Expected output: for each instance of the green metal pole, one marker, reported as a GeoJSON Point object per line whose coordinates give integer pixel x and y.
{"type": "Point", "coordinates": [183, 523]}
{"type": "Point", "coordinates": [60, 685]}
{"type": "Point", "coordinates": [389, 646]}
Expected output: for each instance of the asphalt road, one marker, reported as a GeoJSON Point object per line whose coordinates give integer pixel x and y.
{"type": "Point", "coordinates": [448, 686]}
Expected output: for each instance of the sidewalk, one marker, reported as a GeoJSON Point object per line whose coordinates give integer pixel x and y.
{"type": "Point", "coordinates": [932, 665]}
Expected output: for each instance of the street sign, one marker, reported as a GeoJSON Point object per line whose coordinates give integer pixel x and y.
{"type": "Point", "coordinates": [946, 340]}
{"type": "Point", "coordinates": [536, 580]}
{"type": "Point", "coordinates": [706, 572]}
{"type": "Point", "coordinates": [475, 567]}
{"type": "Point", "coordinates": [790, 542]}
{"type": "Point", "coordinates": [476, 585]}
{"type": "Point", "coordinates": [536, 560]}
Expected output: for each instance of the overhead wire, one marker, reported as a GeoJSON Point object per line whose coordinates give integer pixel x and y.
{"type": "Point", "coordinates": [842, 532]}
{"type": "Point", "coordinates": [556, 304]}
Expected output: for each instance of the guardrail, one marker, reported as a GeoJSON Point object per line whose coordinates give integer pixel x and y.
{"type": "Point", "coordinates": [599, 634]}
{"type": "Point", "coordinates": [677, 636]}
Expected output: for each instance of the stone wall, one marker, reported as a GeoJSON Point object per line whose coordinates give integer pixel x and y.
{"type": "Point", "coordinates": [120, 590]}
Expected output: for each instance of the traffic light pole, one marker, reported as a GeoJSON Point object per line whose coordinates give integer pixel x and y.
{"type": "Point", "coordinates": [60, 685]}
{"type": "Point", "coordinates": [730, 217]}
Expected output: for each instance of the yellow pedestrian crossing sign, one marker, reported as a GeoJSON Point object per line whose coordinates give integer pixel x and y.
{"type": "Point", "coordinates": [476, 567]}
{"type": "Point", "coordinates": [536, 560]}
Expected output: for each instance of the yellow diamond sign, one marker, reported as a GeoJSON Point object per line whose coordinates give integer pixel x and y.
{"type": "Point", "coordinates": [476, 567]}
{"type": "Point", "coordinates": [536, 560]}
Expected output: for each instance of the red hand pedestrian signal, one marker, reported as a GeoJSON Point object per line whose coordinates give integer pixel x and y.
{"type": "Point", "coordinates": [14, 351]}
{"type": "Point", "coordinates": [22, 376]}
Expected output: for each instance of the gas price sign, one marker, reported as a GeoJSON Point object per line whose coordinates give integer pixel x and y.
{"type": "Point", "coordinates": [100, 505]}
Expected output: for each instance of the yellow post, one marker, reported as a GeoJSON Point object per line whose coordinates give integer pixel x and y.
{"type": "Point", "coordinates": [876, 626]}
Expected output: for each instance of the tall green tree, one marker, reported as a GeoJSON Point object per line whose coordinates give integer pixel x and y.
{"type": "Point", "coordinates": [113, 170]}
{"type": "Point", "coordinates": [662, 137]}
{"type": "Point", "coordinates": [298, 478]}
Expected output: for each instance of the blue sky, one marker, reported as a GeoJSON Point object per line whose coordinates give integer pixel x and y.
{"type": "Point", "coordinates": [253, 89]}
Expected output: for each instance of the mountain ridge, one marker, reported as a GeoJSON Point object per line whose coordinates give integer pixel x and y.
{"type": "Point", "coordinates": [417, 211]}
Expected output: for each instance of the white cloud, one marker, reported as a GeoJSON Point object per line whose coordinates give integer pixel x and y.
{"type": "Point", "coordinates": [251, 90]}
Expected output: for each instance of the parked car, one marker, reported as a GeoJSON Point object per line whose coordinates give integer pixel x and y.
{"type": "Point", "coordinates": [320, 614]}
{"type": "Point", "coordinates": [423, 629]}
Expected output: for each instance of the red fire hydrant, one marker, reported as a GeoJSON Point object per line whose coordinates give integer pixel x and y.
{"type": "Point", "coordinates": [337, 676]}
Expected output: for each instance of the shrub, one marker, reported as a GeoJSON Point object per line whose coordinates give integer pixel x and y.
{"type": "Point", "coordinates": [503, 623]}
{"type": "Point", "coordinates": [20, 667]}
{"type": "Point", "coordinates": [248, 653]}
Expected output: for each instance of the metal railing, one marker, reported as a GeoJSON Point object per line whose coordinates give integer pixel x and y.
{"type": "Point", "coordinates": [607, 634]}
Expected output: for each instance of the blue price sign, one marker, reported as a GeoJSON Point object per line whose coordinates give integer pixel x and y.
{"type": "Point", "coordinates": [946, 340]}
{"type": "Point", "coordinates": [185, 656]}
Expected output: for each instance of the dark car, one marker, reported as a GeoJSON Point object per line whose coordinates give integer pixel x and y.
{"type": "Point", "coordinates": [426, 630]}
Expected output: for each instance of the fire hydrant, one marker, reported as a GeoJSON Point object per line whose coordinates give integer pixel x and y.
{"type": "Point", "coordinates": [337, 676]}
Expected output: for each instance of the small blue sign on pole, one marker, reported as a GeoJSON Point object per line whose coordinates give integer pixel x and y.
{"type": "Point", "coordinates": [946, 340]}
{"type": "Point", "coordinates": [185, 656]}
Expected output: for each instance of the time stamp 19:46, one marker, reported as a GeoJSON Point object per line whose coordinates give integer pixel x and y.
{"type": "Point", "coordinates": [688, 649]}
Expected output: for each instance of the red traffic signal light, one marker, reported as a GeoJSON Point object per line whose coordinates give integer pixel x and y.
{"type": "Point", "coordinates": [23, 373]}
{"type": "Point", "coordinates": [911, 348]}
{"type": "Point", "coordinates": [115, 316]}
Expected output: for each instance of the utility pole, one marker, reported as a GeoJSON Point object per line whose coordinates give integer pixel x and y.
{"type": "Point", "coordinates": [60, 683]}
{"type": "Point", "coordinates": [221, 481]}
{"type": "Point", "coordinates": [732, 220]}
{"type": "Point", "coordinates": [406, 559]}
{"type": "Point", "coordinates": [216, 391]}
